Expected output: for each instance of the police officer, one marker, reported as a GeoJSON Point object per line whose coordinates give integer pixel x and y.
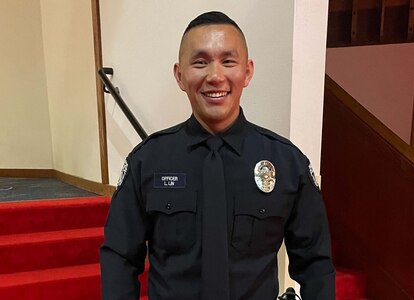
{"type": "Point", "coordinates": [212, 199]}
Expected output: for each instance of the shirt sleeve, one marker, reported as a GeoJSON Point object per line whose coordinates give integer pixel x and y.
{"type": "Point", "coordinates": [124, 248]}
{"type": "Point", "coordinates": [308, 242]}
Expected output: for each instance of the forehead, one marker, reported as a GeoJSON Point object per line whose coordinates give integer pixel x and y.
{"type": "Point", "coordinates": [213, 37]}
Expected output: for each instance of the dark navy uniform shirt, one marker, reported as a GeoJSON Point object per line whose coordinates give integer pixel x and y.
{"type": "Point", "coordinates": [158, 207]}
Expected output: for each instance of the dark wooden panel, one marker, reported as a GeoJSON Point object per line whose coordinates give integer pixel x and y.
{"type": "Point", "coordinates": [368, 28]}
{"type": "Point", "coordinates": [340, 5]}
{"type": "Point", "coordinates": [411, 22]}
{"type": "Point", "coordinates": [369, 22]}
{"type": "Point", "coordinates": [368, 188]}
{"type": "Point", "coordinates": [373, 122]}
{"type": "Point", "coordinates": [368, 4]}
{"type": "Point", "coordinates": [395, 27]}
{"type": "Point", "coordinates": [339, 28]}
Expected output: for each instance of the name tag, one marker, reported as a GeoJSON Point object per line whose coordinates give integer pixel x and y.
{"type": "Point", "coordinates": [170, 180]}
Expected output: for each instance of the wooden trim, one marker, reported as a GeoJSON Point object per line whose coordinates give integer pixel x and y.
{"type": "Point", "coordinates": [361, 112]}
{"type": "Point", "coordinates": [410, 36]}
{"type": "Point", "coordinates": [27, 173]}
{"type": "Point", "coordinates": [412, 128]}
{"type": "Point", "coordinates": [354, 22]}
{"type": "Point", "coordinates": [97, 42]}
{"type": "Point", "coordinates": [382, 25]}
{"type": "Point", "coordinates": [88, 185]}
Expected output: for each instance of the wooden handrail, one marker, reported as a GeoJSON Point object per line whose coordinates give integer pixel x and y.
{"type": "Point", "coordinates": [361, 112]}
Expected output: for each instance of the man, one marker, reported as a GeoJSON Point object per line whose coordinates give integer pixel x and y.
{"type": "Point", "coordinates": [213, 198]}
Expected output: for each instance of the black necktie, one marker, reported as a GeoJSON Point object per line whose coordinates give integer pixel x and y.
{"type": "Point", "coordinates": [215, 271]}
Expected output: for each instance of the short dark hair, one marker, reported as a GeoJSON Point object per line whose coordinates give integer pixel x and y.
{"type": "Point", "coordinates": [211, 18]}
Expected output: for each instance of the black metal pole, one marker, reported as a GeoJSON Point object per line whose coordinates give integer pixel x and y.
{"type": "Point", "coordinates": [118, 99]}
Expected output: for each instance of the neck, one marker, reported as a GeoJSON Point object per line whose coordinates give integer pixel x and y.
{"type": "Point", "coordinates": [216, 127]}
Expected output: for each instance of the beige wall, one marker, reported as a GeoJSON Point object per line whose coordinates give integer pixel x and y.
{"type": "Point", "coordinates": [69, 61]}
{"type": "Point", "coordinates": [48, 115]}
{"type": "Point", "coordinates": [381, 78]}
{"type": "Point", "coordinates": [24, 115]}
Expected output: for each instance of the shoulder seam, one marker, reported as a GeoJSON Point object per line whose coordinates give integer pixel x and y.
{"type": "Point", "coordinates": [170, 130]}
{"type": "Point", "coordinates": [273, 135]}
{"type": "Point", "coordinates": [276, 137]}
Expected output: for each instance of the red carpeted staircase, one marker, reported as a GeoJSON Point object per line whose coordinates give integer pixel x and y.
{"type": "Point", "coordinates": [50, 250]}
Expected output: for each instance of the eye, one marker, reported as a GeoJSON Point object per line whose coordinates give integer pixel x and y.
{"type": "Point", "coordinates": [199, 63]}
{"type": "Point", "coordinates": [229, 62]}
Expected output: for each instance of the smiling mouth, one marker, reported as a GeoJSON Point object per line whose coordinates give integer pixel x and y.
{"type": "Point", "coordinates": [215, 95]}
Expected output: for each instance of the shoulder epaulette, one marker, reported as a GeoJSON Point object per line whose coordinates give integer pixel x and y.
{"type": "Point", "coordinates": [166, 131]}
{"type": "Point", "coordinates": [273, 135]}
{"type": "Point", "coordinates": [276, 137]}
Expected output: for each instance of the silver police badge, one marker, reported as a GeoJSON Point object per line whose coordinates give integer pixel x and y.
{"type": "Point", "coordinates": [265, 176]}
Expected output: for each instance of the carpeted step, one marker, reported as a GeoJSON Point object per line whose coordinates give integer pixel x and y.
{"type": "Point", "coordinates": [51, 215]}
{"type": "Point", "coordinates": [350, 284]}
{"type": "Point", "coordinates": [45, 250]}
{"type": "Point", "coordinates": [75, 282]}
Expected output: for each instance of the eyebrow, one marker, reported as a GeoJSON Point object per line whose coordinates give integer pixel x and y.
{"type": "Point", "coordinates": [203, 53]}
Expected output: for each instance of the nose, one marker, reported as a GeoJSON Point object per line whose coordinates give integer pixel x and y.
{"type": "Point", "coordinates": [215, 73]}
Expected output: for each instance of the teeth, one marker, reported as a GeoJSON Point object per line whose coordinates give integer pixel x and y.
{"type": "Point", "coordinates": [216, 94]}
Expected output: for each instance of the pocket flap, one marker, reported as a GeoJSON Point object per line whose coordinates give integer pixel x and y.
{"type": "Point", "coordinates": [170, 202]}
{"type": "Point", "coordinates": [260, 207]}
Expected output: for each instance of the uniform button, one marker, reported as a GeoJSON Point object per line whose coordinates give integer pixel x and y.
{"type": "Point", "coordinates": [262, 210]}
{"type": "Point", "coordinates": [168, 206]}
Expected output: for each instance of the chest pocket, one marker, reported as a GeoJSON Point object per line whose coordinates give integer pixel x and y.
{"type": "Point", "coordinates": [258, 222]}
{"type": "Point", "coordinates": [174, 217]}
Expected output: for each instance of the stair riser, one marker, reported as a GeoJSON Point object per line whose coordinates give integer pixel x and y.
{"type": "Point", "coordinates": [350, 287]}
{"type": "Point", "coordinates": [49, 219]}
{"type": "Point", "coordinates": [53, 254]}
{"type": "Point", "coordinates": [69, 289]}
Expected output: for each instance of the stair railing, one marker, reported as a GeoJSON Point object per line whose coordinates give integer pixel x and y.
{"type": "Point", "coordinates": [114, 91]}
{"type": "Point", "coordinates": [406, 149]}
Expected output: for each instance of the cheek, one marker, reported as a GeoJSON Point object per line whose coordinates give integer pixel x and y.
{"type": "Point", "coordinates": [240, 80]}
{"type": "Point", "coordinates": [236, 75]}
{"type": "Point", "coordinates": [194, 79]}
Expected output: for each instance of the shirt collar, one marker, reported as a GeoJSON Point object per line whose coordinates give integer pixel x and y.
{"type": "Point", "coordinates": [233, 137]}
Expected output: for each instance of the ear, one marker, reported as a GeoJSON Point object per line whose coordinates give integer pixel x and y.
{"type": "Point", "coordinates": [178, 76]}
{"type": "Point", "coordinates": [249, 72]}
